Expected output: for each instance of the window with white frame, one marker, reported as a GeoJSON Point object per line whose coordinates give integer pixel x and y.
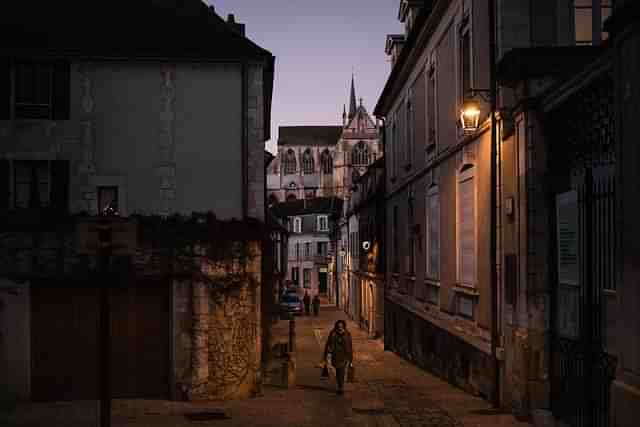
{"type": "Point", "coordinates": [466, 226]}
{"type": "Point", "coordinates": [465, 57]}
{"type": "Point", "coordinates": [432, 233]}
{"type": "Point", "coordinates": [431, 107]}
{"type": "Point", "coordinates": [307, 249]}
{"type": "Point", "coordinates": [323, 248]}
{"type": "Point", "coordinates": [297, 225]}
{"type": "Point", "coordinates": [323, 223]}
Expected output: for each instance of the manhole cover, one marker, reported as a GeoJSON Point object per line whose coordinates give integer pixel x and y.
{"type": "Point", "coordinates": [206, 416]}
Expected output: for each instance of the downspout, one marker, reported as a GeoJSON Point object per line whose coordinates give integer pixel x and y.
{"type": "Point", "coordinates": [245, 142]}
{"type": "Point", "coordinates": [493, 206]}
{"type": "Point", "coordinates": [383, 237]}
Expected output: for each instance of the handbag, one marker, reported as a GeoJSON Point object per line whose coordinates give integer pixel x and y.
{"type": "Point", "coordinates": [351, 373]}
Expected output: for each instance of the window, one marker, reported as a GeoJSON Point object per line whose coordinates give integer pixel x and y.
{"type": "Point", "coordinates": [466, 228]}
{"type": "Point", "coordinates": [360, 154]}
{"type": "Point", "coordinates": [40, 90]}
{"type": "Point", "coordinates": [309, 194]}
{"type": "Point", "coordinates": [306, 278]}
{"type": "Point", "coordinates": [323, 248]}
{"type": "Point", "coordinates": [465, 58]}
{"type": "Point", "coordinates": [108, 200]}
{"type": "Point", "coordinates": [394, 238]}
{"type": "Point", "coordinates": [297, 225]}
{"type": "Point", "coordinates": [295, 276]}
{"type": "Point", "coordinates": [291, 197]}
{"type": "Point", "coordinates": [323, 223]}
{"type": "Point", "coordinates": [431, 108]}
{"type": "Point", "coordinates": [307, 162]}
{"type": "Point", "coordinates": [585, 33]}
{"type": "Point", "coordinates": [327, 162]}
{"type": "Point", "coordinates": [433, 234]}
{"type": "Point", "coordinates": [410, 128]}
{"type": "Point", "coordinates": [290, 162]}
{"type": "Point", "coordinates": [307, 249]}
{"type": "Point", "coordinates": [433, 294]}
{"type": "Point", "coordinates": [297, 250]}
{"type": "Point", "coordinates": [273, 199]}
{"type": "Point", "coordinates": [31, 184]}
{"type": "Point", "coordinates": [411, 261]}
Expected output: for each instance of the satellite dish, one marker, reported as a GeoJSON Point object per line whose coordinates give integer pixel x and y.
{"type": "Point", "coordinates": [366, 245]}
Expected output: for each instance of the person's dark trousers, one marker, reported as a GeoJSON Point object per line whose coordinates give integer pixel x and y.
{"type": "Point", "coordinates": [340, 378]}
{"type": "Point", "coordinates": [306, 309]}
{"type": "Point", "coordinates": [316, 310]}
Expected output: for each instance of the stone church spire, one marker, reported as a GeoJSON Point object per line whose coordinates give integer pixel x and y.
{"type": "Point", "coordinates": [352, 101]}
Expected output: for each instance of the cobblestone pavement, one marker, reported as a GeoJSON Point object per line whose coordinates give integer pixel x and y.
{"type": "Point", "coordinates": [388, 392]}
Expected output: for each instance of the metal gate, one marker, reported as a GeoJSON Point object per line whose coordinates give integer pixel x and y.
{"type": "Point", "coordinates": [586, 247]}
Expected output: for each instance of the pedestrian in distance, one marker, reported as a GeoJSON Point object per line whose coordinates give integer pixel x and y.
{"type": "Point", "coordinates": [316, 305]}
{"type": "Point", "coordinates": [340, 347]}
{"type": "Point", "coordinates": [307, 303]}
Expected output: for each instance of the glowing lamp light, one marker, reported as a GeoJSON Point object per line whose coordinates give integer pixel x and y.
{"type": "Point", "coordinates": [470, 116]}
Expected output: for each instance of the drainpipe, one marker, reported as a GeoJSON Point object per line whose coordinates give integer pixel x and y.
{"type": "Point", "coordinates": [495, 334]}
{"type": "Point", "coordinates": [383, 237]}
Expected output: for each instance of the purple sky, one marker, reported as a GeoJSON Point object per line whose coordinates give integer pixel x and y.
{"type": "Point", "coordinates": [317, 44]}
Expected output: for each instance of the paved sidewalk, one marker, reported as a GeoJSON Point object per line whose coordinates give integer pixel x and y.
{"type": "Point", "coordinates": [388, 392]}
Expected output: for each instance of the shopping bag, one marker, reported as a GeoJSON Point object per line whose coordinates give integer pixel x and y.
{"type": "Point", "coordinates": [325, 372]}
{"type": "Point", "coordinates": [351, 374]}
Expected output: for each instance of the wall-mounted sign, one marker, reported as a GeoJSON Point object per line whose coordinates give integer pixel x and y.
{"type": "Point", "coordinates": [567, 238]}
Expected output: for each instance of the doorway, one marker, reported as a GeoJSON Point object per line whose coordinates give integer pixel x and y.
{"type": "Point", "coordinates": [322, 281]}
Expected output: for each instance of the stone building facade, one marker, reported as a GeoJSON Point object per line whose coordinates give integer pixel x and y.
{"type": "Point", "coordinates": [443, 309]}
{"type": "Point", "coordinates": [309, 223]}
{"type": "Point", "coordinates": [100, 124]}
{"type": "Point", "coordinates": [323, 161]}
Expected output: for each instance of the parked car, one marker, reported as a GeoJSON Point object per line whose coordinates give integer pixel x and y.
{"type": "Point", "coordinates": [291, 304]}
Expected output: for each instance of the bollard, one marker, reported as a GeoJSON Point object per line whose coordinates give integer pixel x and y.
{"type": "Point", "coordinates": [292, 335]}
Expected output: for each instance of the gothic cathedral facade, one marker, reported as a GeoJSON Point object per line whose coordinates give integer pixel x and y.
{"type": "Point", "coordinates": [324, 161]}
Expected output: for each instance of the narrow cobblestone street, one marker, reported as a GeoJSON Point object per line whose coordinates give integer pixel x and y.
{"type": "Point", "coordinates": [388, 392]}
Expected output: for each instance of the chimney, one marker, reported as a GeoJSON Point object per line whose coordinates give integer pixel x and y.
{"type": "Point", "coordinates": [235, 26]}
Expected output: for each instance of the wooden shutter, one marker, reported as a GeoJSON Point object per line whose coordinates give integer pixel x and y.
{"type": "Point", "coordinates": [4, 184]}
{"type": "Point", "coordinates": [434, 236]}
{"type": "Point", "coordinates": [60, 185]}
{"type": "Point", "coordinates": [467, 233]}
{"type": "Point", "coordinates": [61, 90]}
{"type": "Point", "coordinates": [5, 90]}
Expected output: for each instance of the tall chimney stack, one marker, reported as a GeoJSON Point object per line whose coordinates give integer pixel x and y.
{"type": "Point", "coordinates": [235, 26]}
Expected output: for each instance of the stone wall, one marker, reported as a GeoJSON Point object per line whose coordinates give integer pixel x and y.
{"type": "Point", "coordinates": [216, 344]}
{"type": "Point", "coordinates": [438, 351]}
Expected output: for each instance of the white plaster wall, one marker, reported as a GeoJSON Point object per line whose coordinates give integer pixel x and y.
{"type": "Point", "coordinates": [206, 133]}
{"type": "Point", "coordinates": [15, 340]}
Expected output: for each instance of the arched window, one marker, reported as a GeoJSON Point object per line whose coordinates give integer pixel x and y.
{"type": "Point", "coordinates": [273, 199]}
{"type": "Point", "coordinates": [307, 162]}
{"type": "Point", "coordinates": [291, 197]}
{"type": "Point", "coordinates": [289, 162]}
{"type": "Point", "coordinates": [360, 154]}
{"type": "Point", "coordinates": [327, 162]}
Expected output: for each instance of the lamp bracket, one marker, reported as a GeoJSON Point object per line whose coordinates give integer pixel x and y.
{"type": "Point", "coordinates": [485, 94]}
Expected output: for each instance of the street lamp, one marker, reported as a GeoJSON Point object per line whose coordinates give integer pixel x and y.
{"type": "Point", "coordinates": [470, 116]}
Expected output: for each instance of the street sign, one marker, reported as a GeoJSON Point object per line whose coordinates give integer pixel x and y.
{"type": "Point", "coordinates": [120, 233]}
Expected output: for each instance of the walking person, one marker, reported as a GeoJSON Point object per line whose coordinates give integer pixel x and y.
{"type": "Point", "coordinates": [316, 305]}
{"type": "Point", "coordinates": [307, 303]}
{"type": "Point", "coordinates": [340, 346]}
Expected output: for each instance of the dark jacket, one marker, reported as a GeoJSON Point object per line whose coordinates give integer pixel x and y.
{"type": "Point", "coordinates": [340, 347]}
